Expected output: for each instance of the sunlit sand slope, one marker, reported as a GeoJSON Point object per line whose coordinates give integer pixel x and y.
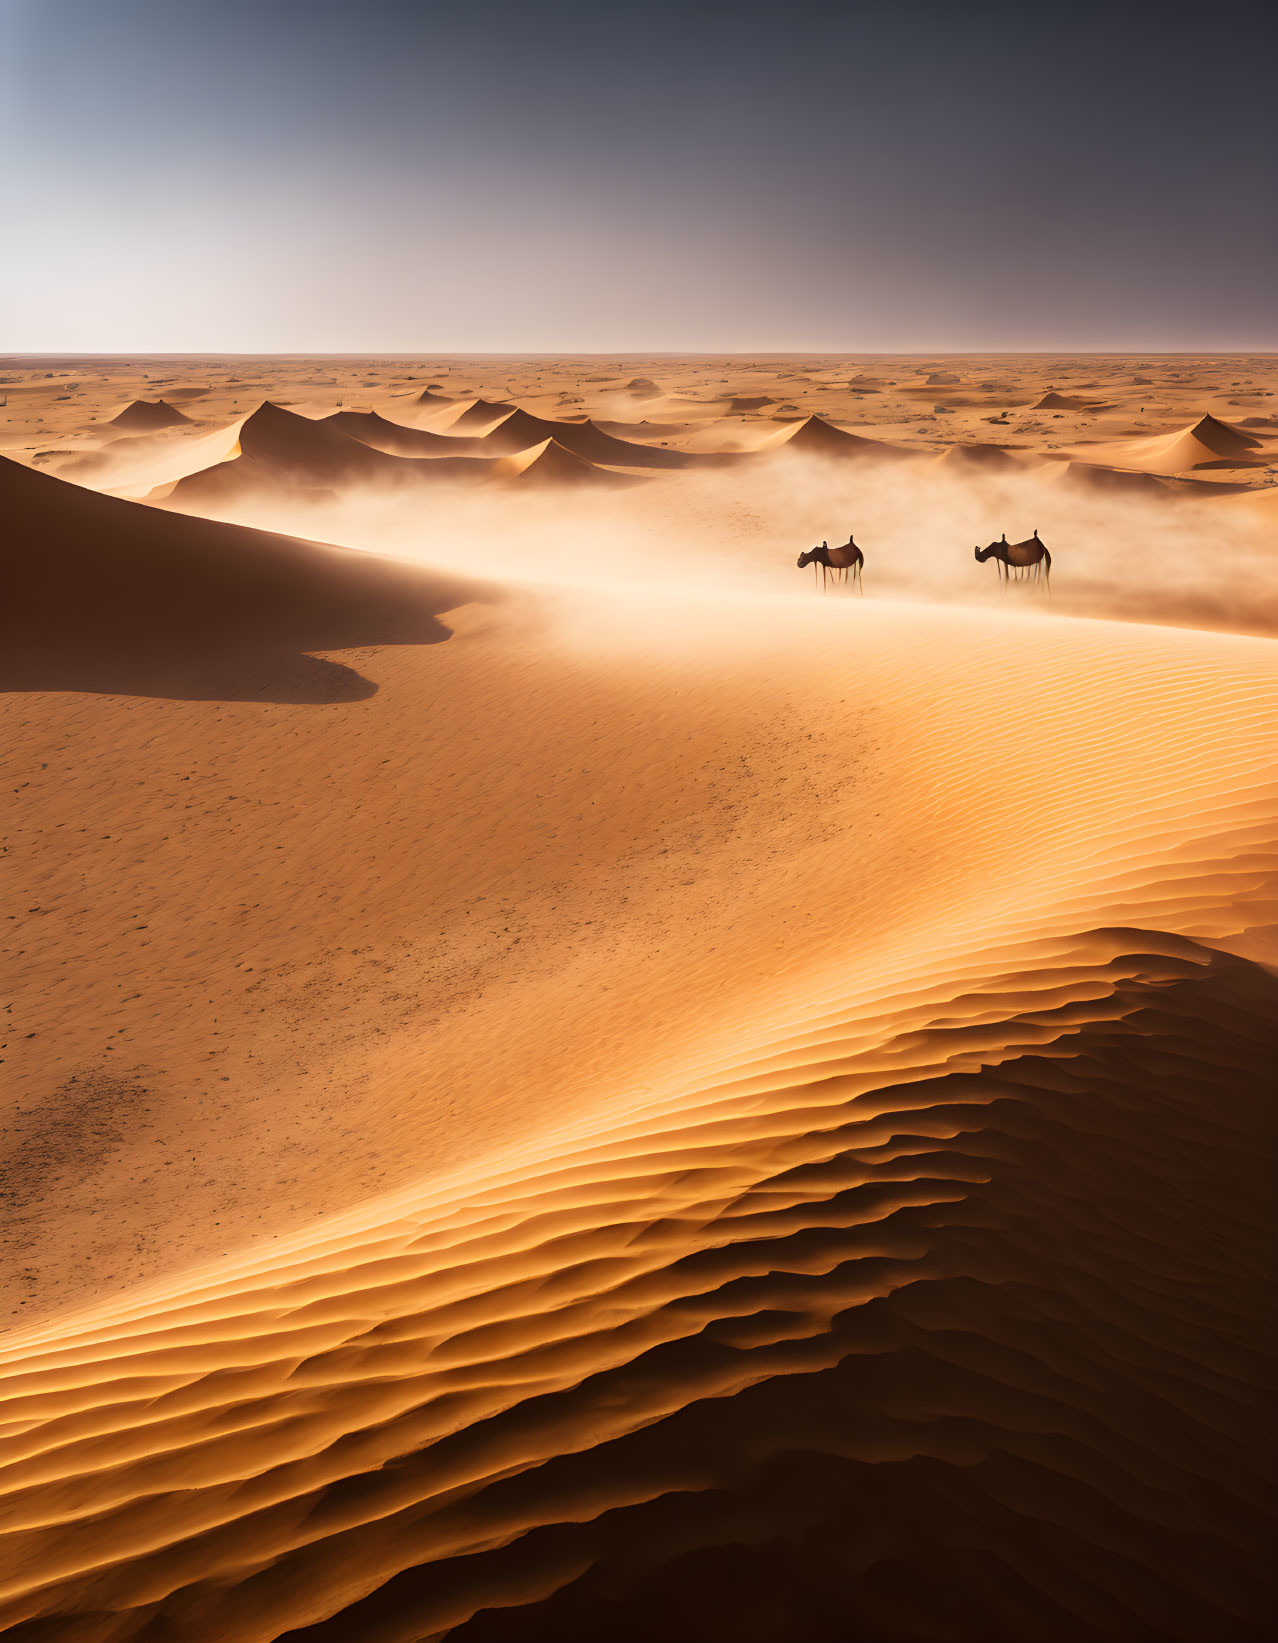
{"type": "Point", "coordinates": [919, 1302]}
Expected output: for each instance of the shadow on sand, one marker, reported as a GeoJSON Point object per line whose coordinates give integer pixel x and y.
{"type": "Point", "coordinates": [107, 596]}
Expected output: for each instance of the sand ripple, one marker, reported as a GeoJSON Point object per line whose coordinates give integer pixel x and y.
{"type": "Point", "coordinates": [938, 1324]}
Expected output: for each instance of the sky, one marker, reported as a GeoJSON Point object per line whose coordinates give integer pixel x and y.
{"type": "Point", "coordinates": [404, 176]}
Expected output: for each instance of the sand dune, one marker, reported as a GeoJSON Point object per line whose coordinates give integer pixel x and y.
{"type": "Point", "coordinates": [481, 414]}
{"type": "Point", "coordinates": [1062, 402]}
{"type": "Point", "coordinates": [138, 463]}
{"type": "Point", "coordinates": [1208, 443]}
{"type": "Point", "coordinates": [934, 1276]}
{"type": "Point", "coordinates": [643, 429]}
{"type": "Point", "coordinates": [520, 430]}
{"type": "Point", "coordinates": [280, 451]}
{"type": "Point", "coordinates": [396, 440]}
{"type": "Point", "coordinates": [145, 416]}
{"type": "Point", "coordinates": [816, 437]}
{"type": "Point", "coordinates": [1137, 482]}
{"type": "Point", "coordinates": [983, 457]}
{"type": "Point", "coordinates": [109, 595]}
{"type": "Point", "coordinates": [689, 1110]}
{"type": "Point", "coordinates": [551, 463]}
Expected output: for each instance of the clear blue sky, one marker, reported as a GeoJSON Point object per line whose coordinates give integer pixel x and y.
{"type": "Point", "coordinates": [398, 175]}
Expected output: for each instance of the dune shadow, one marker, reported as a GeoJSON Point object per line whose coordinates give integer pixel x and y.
{"type": "Point", "coordinates": [259, 675]}
{"type": "Point", "coordinates": [216, 667]}
{"type": "Point", "coordinates": [112, 597]}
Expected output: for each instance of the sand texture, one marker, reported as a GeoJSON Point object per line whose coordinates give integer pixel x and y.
{"type": "Point", "coordinates": [564, 1082]}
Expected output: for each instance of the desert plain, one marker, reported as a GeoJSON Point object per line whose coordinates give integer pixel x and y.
{"type": "Point", "coordinates": [568, 1078]}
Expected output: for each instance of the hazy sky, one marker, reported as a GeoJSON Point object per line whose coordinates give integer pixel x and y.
{"type": "Point", "coordinates": [405, 176]}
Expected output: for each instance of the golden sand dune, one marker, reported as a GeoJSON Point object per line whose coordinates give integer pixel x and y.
{"type": "Point", "coordinates": [281, 451]}
{"type": "Point", "coordinates": [1207, 444]}
{"type": "Point", "coordinates": [479, 414]}
{"type": "Point", "coordinates": [983, 456]}
{"type": "Point", "coordinates": [520, 430]}
{"type": "Point", "coordinates": [1122, 481]}
{"type": "Point", "coordinates": [138, 463]}
{"type": "Point", "coordinates": [910, 1315]}
{"type": "Point", "coordinates": [688, 1110]}
{"type": "Point", "coordinates": [145, 416]}
{"type": "Point", "coordinates": [550, 463]}
{"type": "Point", "coordinates": [814, 436]}
{"type": "Point", "coordinates": [397, 440]}
{"type": "Point", "coordinates": [921, 1258]}
{"type": "Point", "coordinates": [643, 430]}
{"type": "Point", "coordinates": [1053, 401]}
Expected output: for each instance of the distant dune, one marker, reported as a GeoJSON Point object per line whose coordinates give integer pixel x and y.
{"type": "Point", "coordinates": [1208, 443]}
{"type": "Point", "coordinates": [383, 435]}
{"type": "Point", "coordinates": [481, 413]}
{"type": "Point", "coordinates": [1134, 482]}
{"type": "Point", "coordinates": [281, 451]}
{"type": "Point", "coordinates": [1062, 402]}
{"type": "Point", "coordinates": [520, 430]}
{"type": "Point", "coordinates": [553, 464]}
{"type": "Point", "coordinates": [983, 456]}
{"type": "Point", "coordinates": [145, 416]}
{"type": "Point", "coordinates": [816, 437]}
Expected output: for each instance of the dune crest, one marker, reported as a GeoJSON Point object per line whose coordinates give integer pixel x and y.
{"type": "Point", "coordinates": [145, 416]}
{"type": "Point", "coordinates": [396, 440]}
{"type": "Point", "coordinates": [520, 430]}
{"type": "Point", "coordinates": [934, 1259]}
{"type": "Point", "coordinates": [550, 463]}
{"type": "Point", "coordinates": [816, 437]}
{"type": "Point", "coordinates": [643, 1099]}
{"type": "Point", "coordinates": [106, 594]}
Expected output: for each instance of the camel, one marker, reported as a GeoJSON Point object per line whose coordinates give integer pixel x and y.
{"type": "Point", "coordinates": [1021, 558]}
{"type": "Point", "coordinates": [847, 557]}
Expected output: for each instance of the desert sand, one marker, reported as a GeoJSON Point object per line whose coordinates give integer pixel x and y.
{"type": "Point", "coordinates": [564, 1083]}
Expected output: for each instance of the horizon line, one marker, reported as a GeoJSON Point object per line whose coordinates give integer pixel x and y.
{"type": "Point", "coordinates": [1263, 350]}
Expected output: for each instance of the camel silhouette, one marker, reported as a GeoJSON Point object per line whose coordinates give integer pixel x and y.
{"type": "Point", "coordinates": [838, 561]}
{"type": "Point", "coordinates": [1019, 559]}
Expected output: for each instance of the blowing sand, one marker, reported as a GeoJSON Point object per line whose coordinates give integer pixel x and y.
{"type": "Point", "coordinates": [579, 1089]}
